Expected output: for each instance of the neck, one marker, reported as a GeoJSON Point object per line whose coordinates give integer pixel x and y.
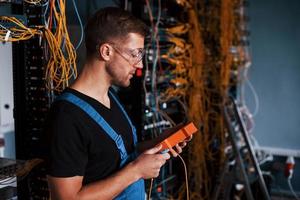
{"type": "Point", "coordinates": [94, 82]}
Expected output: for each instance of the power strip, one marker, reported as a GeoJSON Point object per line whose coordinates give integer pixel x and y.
{"type": "Point", "coordinates": [278, 151]}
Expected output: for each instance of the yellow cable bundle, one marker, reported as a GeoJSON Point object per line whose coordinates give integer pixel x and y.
{"type": "Point", "coordinates": [62, 65]}
{"type": "Point", "coordinates": [172, 93]}
{"type": "Point", "coordinates": [180, 69]}
{"type": "Point", "coordinates": [183, 60]}
{"type": "Point", "coordinates": [179, 55]}
{"type": "Point", "coordinates": [172, 61]}
{"type": "Point", "coordinates": [179, 47]}
{"type": "Point", "coordinates": [198, 149]}
{"type": "Point", "coordinates": [179, 29]}
{"type": "Point", "coordinates": [16, 33]}
{"type": "Point", "coordinates": [184, 3]}
{"type": "Point", "coordinates": [212, 63]}
{"type": "Point", "coordinates": [56, 67]}
{"type": "Point", "coordinates": [226, 41]}
{"type": "Point", "coordinates": [35, 2]}
{"type": "Point", "coordinates": [180, 79]}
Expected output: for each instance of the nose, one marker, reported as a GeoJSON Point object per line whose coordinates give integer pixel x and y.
{"type": "Point", "coordinates": [139, 65]}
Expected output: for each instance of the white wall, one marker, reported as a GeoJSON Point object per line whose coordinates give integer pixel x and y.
{"type": "Point", "coordinates": [6, 101]}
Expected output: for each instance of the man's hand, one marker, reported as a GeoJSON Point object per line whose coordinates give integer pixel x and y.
{"type": "Point", "coordinates": [178, 147]}
{"type": "Point", "coordinates": [148, 164]}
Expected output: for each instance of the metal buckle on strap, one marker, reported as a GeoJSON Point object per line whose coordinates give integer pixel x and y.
{"type": "Point", "coordinates": [120, 145]}
{"type": "Point", "coordinates": [119, 141]}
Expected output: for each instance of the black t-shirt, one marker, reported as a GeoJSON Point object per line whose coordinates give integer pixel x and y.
{"type": "Point", "coordinates": [77, 145]}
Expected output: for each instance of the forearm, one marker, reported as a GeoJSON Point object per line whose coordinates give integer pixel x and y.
{"type": "Point", "coordinates": [71, 188]}
{"type": "Point", "coordinates": [110, 187]}
{"type": "Point", "coordinates": [147, 165]}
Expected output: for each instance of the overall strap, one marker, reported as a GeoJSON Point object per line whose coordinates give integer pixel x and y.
{"type": "Point", "coordinates": [100, 121]}
{"type": "Point", "coordinates": [127, 117]}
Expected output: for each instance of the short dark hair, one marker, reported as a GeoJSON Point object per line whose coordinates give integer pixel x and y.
{"type": "Point", "coordinates": [110, 23]}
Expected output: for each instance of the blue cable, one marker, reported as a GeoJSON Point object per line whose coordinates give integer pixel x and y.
{"type": "Point", "coordinates": [81, 26]}
{"type": "Point", "coordinates": [45, 13]}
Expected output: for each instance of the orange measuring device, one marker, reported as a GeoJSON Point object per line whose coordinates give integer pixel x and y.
{"type": "Point", "coordinates": [169, 137]}
{"type": "Point", "coordinates": [178, 136]}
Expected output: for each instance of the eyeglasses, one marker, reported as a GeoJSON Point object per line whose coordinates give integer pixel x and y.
{"type": "Point", "coordinates": [135, 55]}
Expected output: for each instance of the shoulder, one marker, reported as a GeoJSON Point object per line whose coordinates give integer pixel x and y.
{"type": "Point", "coordinates": [64, 125]}
{"type": "Point", "coordinates": [66, 108]}
{"type": "Point", "coordinates": [63, 115]}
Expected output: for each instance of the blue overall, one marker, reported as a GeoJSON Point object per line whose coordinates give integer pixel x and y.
{"type": "Point", "coordinates": [135, 191]}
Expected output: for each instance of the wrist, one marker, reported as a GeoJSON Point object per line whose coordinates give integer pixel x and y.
{"type": "Point", "coordinates": [134, 171]}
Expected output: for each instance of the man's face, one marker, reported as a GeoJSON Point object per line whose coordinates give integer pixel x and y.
{"type": "Point", "coordinates": [127, 57]}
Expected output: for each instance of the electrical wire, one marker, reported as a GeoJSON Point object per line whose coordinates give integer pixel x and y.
{"type": "Point", "coordinates": [184, 3]}
{"type": "Point", "coordinates": [211, 39]}
{"type": "Point", "coordinates": [206, 61]}
{"type": "Point", "coordinates": [61, 64]}
{"type": "Point", "coordinates": [256, 99]}
{"type": "Point", "coordinates": [8, 181]}
{"type": "Point", "coordinates": [292, 189]}
{"type": "Point", "coordinates": [126, 5]}
{"type": "Point", "coordinates": [186, 178]}
{"type": "Point", "coordinates": [176, 50]}
{"type": "Point", "coordinates": [166, 180]}
{"type": "Point", "coordinates": [150, 189]}
{"type": "Point", "coordinates": [186, 181]}
{"type": "Point", "coordinates": [156, 61]}
{"type": "Point", "coordinates": [80, 23]}
{"type": "Point", "coordinates": [17, 32]}
{"type": "Point", "coordinates": [35, 2]}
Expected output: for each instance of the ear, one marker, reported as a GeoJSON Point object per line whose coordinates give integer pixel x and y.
{"type": "Point", "coordinates": [105, 51]}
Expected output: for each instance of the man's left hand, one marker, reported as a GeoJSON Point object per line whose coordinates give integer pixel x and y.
{"type": "Point", "coordinates": [178, 147]}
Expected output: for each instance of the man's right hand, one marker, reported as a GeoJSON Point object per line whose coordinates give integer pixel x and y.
{"type": "Point", "coordinates": [148, 164]}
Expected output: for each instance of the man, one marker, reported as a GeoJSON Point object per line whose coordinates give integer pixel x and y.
{"type": "Point", "coordinates": [91, 138]}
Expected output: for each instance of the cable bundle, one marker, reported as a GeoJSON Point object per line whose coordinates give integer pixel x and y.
{"type": "Point", "coordinates": [18, 31]}
{"type": "Point", "coordinates": [35, 2]}
{"type": "Point", "coordinates": [62, 54]}
{"type": "Point", "coordinates": [178, 55]}
{"type": "Point", "coordinates": [167, 63]}
{"type": "Point", "coordinates": [62, 62]}
{"type": "Point", "coordinates": [165, 82]}
{"type": "Point", "coordinates": [215, 31]}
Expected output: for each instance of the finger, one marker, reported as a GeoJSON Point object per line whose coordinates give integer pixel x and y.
{"type": "Point", "coordinates": [173, 152]}
{"type": "Point", "coordinates": [178, 148]}
{"type": "Point", "coordinates": [162, 157]}
{"type": "Point", "coordinates": [153, 150]}
{"type": "Point", "coordinates": [189, 138]}
{"type": "Point", "coordinates": [166, 156]}
{"type": "Point", "coordinates": [162, 163]}
{"type": "Point", "coordinates": [182, 144]}
{"type": "Point", "coordinates": [155, 171]}
{"type": "Point", "coordinates": [156, 175]}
